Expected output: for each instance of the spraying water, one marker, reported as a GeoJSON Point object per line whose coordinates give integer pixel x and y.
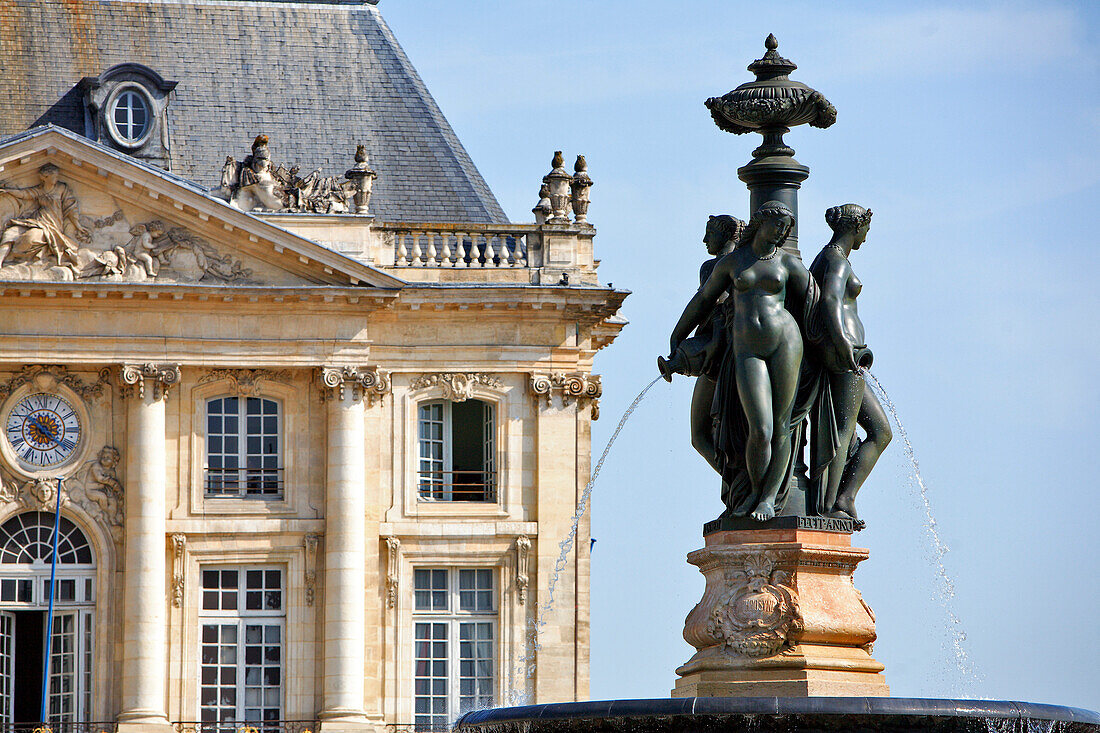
{"type": "Point", "coordinates": [946, 592]}
{"type": "Point", "coordinates": [528, 661]}
{"type": "Point", "coordinates": [962, 660]}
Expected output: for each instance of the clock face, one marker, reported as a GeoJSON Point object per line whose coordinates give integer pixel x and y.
{"type": "Point", "coordinates": [43, 430]}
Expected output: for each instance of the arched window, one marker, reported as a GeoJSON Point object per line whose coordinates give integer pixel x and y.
{"type": "Point", "coordinates": [457, 451]}
{"type": "Point", "coordinates": [131, 115]}
{"type": "Point", "coordinates": [28, 539]}
{"type": "Point", "coordinates": [243, 448]}
{"type": "Point", "coordinates": [26, 555]}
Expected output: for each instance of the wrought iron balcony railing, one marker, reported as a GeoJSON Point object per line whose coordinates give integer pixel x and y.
{"type": "Point", "coordinates": [248, 483]}
{"type": "Point", "coordinates": [60, 727]}
{"type": "Point", "coordinates": [247, 726]}
{"type": "Point", "coordinates": [458, 485]}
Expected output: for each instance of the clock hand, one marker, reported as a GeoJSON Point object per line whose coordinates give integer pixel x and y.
{"type": "Point", "coordinates": [45, 430]}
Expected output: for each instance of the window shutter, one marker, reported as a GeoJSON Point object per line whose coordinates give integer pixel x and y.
{"type": "Point", "coordinates": [489, 447]}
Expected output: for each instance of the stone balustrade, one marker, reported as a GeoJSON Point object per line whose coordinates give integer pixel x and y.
{"type": "Point", "coordinates": [453, 252]}
{"type": "Point", "coordinates": [459, 245]}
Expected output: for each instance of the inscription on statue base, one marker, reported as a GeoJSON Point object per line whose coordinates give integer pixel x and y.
{"type": "Point", "coordinates": [820, 524]}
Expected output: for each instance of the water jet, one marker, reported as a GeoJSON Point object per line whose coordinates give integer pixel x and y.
{"type": "Point", "coordinates": [783, 637]}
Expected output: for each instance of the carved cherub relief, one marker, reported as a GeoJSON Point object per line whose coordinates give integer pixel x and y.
{"type": "Point", "coordinates": [95, 488]}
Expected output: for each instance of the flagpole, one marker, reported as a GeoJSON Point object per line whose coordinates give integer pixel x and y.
{"type": "Point", "coordinates": [49, 614]}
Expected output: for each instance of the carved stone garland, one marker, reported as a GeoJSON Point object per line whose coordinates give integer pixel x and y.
{"type": "Point", "coordinates": [582, 388]}
{"type": "Point", "coordinates": [371, 383]}
{"type": "Point", "coordinates": [523, 550]}
{"type": "Point", "coordinates": [179, 543]}
{"type": "Point", "coordinates": [457, 386]}
{"type": "Point", "coordinates": [393, 562]}
{"type": "Point", "coordinates": [44, 376]}
{"type": "Point", "coordinates": [247, 382]}
{"type": "Point", "coordinates": [310, 542]}
{"type": "Point", "coordinates": [134, 376]}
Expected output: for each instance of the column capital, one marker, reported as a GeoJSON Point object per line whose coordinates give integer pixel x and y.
{"type": "Point", "coordinates": [132, 379]}
{"type": "Point", "coordinates": [574, 386]}
{"type": "Point", "coordinates": [366, 383]}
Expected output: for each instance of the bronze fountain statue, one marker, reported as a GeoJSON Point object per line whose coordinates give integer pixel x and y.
{"type": "Point", "coordinates": [778, 348]}
{"type": "Point", "coordinates": [783, 637]}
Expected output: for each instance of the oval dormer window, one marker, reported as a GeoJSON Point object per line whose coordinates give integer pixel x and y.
{"type": "Point", "coordinates": [130, 116]}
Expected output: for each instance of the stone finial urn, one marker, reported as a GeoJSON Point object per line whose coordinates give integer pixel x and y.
{"type": "Point", "coordinates": [579, 186]}
{"type": "Point", "coordinates": [362, 177]}
{"type": "Point", "coordinates": [543, 209]}
{"type": "Point", "coordinates": [772, 104]}
{"type": "Point", "coordinates": [558, 180]}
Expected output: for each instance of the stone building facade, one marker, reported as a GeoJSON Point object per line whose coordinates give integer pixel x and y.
{"type": "Point", "coordinates": [315, 437]}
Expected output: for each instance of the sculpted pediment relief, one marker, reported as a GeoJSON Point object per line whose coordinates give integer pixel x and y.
{"type": "Point", "coordinates": [71, 210]}
{"type": "Point", "coordinates": [49, 231]}
{"type": "Point", "coordinates": [44, 236]}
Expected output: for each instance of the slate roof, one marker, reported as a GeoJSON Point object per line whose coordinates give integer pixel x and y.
{"type": "Point", "coordinates": [317, 78]}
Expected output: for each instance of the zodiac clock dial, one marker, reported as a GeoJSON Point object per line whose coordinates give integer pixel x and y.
{"type": "Point", "coordinates": [43, 430]}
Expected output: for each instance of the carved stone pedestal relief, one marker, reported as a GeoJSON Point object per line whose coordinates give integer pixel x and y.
{"type": "Point", "coordinates": [780, 617]}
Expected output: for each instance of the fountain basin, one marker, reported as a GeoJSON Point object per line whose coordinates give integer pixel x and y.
{"type": "Point", "coordinates": [782, 715]}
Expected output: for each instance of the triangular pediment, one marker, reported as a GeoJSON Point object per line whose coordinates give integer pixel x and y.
{"type": "Point", "coordinates": [111, 218]}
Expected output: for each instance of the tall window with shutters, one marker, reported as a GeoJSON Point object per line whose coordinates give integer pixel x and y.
{"type": "Point", "coordinates": [457, 456]}
{"type": "Point", "coordinates": [455, 630]}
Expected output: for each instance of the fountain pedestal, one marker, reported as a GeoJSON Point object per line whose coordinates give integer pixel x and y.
{"type": "Point", "coordinates": [780, 615]}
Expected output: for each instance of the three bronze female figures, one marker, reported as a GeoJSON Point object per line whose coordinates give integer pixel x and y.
{"type": "Point", "coordinates": [778, 354]}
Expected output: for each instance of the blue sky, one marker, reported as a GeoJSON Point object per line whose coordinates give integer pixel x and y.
{"type": "Point", "coordinates": [971, 130]}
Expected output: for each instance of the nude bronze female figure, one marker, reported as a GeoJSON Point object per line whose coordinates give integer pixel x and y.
{"type": "Point", "coordinates": [756, 386]}
{"type": "Point", "coordinates": [701, 355]}
{"type": "Point", "coordinates": [852, 400]}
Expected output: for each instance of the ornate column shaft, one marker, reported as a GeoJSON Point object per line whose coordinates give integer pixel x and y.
{"type": "Point", "coordinates": [144, 635]}
{"type": "Point", "coordinates": [346, 389]}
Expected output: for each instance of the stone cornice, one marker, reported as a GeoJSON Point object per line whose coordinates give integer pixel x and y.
{"type": "Point", "coordinates": [183, 296]}
{"type": "Point", "coordinates": [586, 305]}
{"type": "Point", "coordinates": [132, 379]}
{"type": "Point", "coordinates": [368, 384]}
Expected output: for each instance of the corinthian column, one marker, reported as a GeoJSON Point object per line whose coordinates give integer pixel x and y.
{"type": "Point", "coordinates": [144, 633]}
{"type": "Point", "coordinates": [345, 389]}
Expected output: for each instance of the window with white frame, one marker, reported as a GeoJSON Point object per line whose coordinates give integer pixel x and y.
{"type": "Point", "coordinates": [457, 456]}
{"type": "Point", "coordinates": [454, 628]}
{"type": "Point", "coordinates": [26, 553]}
{"type": "Point", "coordinates": [131, 116]}
{"type": "Point", "coordinates": [243, 448]}
{"type": "Point", "coordinates": [243, 622]}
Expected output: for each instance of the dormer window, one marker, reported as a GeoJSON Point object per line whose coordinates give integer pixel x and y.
{"type": "Point", "coordinates": [130, 116]}
{"type": "Point", "coordinates": [127, 109]}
